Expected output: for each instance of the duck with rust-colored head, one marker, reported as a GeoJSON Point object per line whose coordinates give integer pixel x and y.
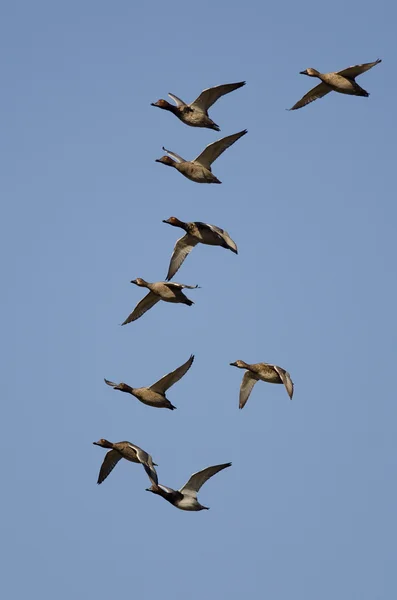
{"type": "Point", "coordinates": [186, 497]}
{"type": "Point", "coordinates": [195, 114]}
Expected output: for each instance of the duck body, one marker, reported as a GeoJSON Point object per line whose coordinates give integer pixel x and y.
{"type": "Point", "coordinates": [261, 372]}
{"type": "Point", "coordinates": [343, 85]}
{"type": "Point", "coordinates": [144, 395]}
{"type": "Point", "coordinates": [196, 172]}
{"type": "Point", "coordinates": [188, 115]}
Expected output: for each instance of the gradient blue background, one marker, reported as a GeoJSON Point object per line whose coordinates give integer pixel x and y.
{"type": "Point", "coordinates": [307, 510]}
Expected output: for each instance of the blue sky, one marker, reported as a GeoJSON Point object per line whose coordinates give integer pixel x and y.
{"type": "Point", "coordinates": [307, 510]}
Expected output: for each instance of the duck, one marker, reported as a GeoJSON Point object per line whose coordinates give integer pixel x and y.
{"type": "Point", "coordinates": [343, 82]}
{"type": "Point", "coordinates": [160, 290]}
{"type": "Point", "coordinates": [199, 169]}
{"type": "Point", "coordinates": [186, 497]}
{"type": "Point", "coordinates": [195, 114]}
{"type": "Point", "coordinates": [261, 372]}
{"type": "Point", "coordinates": [196, 233]}
{"type": "Point", "coordinates": [154, 395]}
{"type": "Point", "coordinates": [128, 451]}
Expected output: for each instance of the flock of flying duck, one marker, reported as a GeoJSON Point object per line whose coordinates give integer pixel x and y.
{"type": "Point", "coordinates": [198, 170]}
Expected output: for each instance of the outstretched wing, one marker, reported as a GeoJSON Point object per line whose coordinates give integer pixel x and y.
{"type": "Point", "coordinates": [174, 155]}
{"type": "Point", "coordinates": [180, 286]}
{"type": "Point", "coordinates": [168, 380]}
{"type": "Point", "coordinates": [248, 382]}
{"type": "Point", "coordinates": [144, 305]}
{"type": "Point", "coordinates": [198, 479]}
{"type": "Point", "coordinates": [317, 92]}
{"type": "Point", "coordinates": [212, 151]}
{"type": "Point", "coordinates": [110, 461]}
{"type": "Point", "coordinates": [182, 248]}
{"type": "Point", "coordinates": [353, 72]}
{"type": "Point", "coordinates": [225, 237]}
{"type": "Point", "coordinates": [177, 100]}
{"type": "Point", "coordinates": [209, 96]}
{"type": "Point", "coordinates": [147, 462]}
{"type": "Point", "coordinates": [286, 379]}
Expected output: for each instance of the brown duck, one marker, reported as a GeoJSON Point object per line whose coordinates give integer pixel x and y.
{"type": "Point", "coordinates": [155, 394]}
{"type": "Point", "coordinates": [196, 233]}
{"type": "Point", "coordinates": [262, 372]}
{"type": "Point", "coordinates": [343, 82]}
{"type": "Point", "coordinates": [199, 169]}
{"type": "Point", "coordinates": [128, 451]}
{"type": "Point", "coordinates": [161, 290]}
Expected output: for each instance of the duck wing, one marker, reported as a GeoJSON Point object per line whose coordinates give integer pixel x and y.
{"type": "Point", "coordinates": [146, 461]}
{"type": "Point", "coordinates": [177, 100]}
{"type": "Point", "coordinates": [353, 72]}
{"type": "Point", "coordinates": [209, 96]}
{"type": "Point", "coordinates": [143, 306]}
{"type": "Point", "coordinates": [162, 385]}
{"type": "Point", "coordinates": [174, 155]}
{"type": "Point", "coordinates": [110, 461]}
{"type": "Point", "coordinates": [224, 236]}
{"type": "Point", "coordinates": [248, 382]}
{"type": "Point", "coordinates": [317, 92]}
{"type": "Point", "coordinates": [286, 379]}
{"type": "Point", "coordinates": [212, 151]}
{"type": "Point", "coordinates": [180, 286]}
{"type": "Point", "coordinates": [182, 248]}
{"type": "Point", "coordinates": [198, 479]}
{"type": "Point", "coordinates": [111, 383]}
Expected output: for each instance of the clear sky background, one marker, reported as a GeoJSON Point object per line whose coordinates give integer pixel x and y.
{"type": "Point", "coordinates": [307, 511]}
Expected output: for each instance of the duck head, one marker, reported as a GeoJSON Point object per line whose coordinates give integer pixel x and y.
{"type": "Point", "coordinates": [310, 73]}
{"type": "Point", "coordinates": [104, 443]}
{"type": "Point", "coordinates": [166, 160]}
{"type": "Point", "coordinates": [239, 363]}
{"type": "Point", "coordinates": [164, 105]}
{"type": "Point", "coordinates": [139, 281]}
{"type": "Point", "coordinates": [175, 222]}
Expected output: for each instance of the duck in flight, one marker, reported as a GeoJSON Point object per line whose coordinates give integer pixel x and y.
{"type": "Point", "coordinates": [262, 372]}
{"type": "Point", "coordinates": [343, 82]}
{"type": "Point", "coordinates": [199, 169]}
{"type": "Point", "coordinates": [195, 114]}
{"type": "Point", "coordinates": [155, 395]}
{"type": "Point", "coordinates": [161, 290]}
{"type": "Point", "coordinates": [186, 497]}
{"type": "Point", "coordinates": [196, 233]}
{"type": "Point", "coordinates": [125, 450]}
